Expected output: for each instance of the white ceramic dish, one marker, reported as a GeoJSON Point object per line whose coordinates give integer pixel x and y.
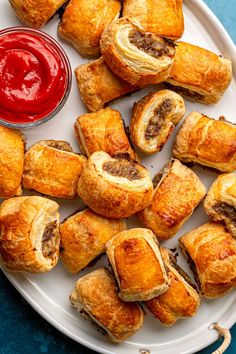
{"type": "Point", "coordinates": [48, 293]}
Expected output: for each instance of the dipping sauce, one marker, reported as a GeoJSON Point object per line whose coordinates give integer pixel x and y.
{"type": "Point", "coordinates": [34, 76]}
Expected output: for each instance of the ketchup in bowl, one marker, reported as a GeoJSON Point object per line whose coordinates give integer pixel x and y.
{"type": "Point", "coordinates": [35, 77]}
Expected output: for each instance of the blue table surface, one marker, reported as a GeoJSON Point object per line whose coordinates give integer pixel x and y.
{"type": "Point", "coordinates": [22, 330]}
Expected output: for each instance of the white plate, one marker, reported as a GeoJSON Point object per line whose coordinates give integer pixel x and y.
{"type": "Point", "coordinates": [48, 293]}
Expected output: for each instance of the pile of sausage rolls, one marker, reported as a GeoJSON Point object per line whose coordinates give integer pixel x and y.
{"type": "Point", "coordinates": [135, 44]}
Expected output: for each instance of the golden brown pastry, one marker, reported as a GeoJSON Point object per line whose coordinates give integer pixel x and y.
{"type": "Point", "coordinates": [178, 191]}
{"type": "Point", "coordinates": [163, 17]}
{"type": "Point", "coordinates": [199, 74]}
{"type": "Point", "coordinates": [95, 298]}
{"type": "Point", "coordinates": [103, 130]}
{"type": "Point", "coordinates": [36, 13]}
{"type": "Point", "coordinates": [115, 187]}
{"type": "Point", "coordinates": [181, 300]}
{"type": "Point", "coordinates": [154, 118]}
{"type": "Point", "coordinates": [207, 141]}
{"type": "Point", "coordinates": [211, 253]}
{"type": "Point", "coordinates": [12, 147]}
{"type": "Point", "coordinates": [220, 203]}
{"type": "Point", "coordinates": [137, 264]}
{"type": "Point", "coordinates": [136, 56]}
{"type": "Point", "coordinates": [84, 236]}
{"type": "Point", "coordinates": [98, 85]}
{"type": "Point", "coordinates": [52, 168]}
{"type": "Point", "coordinates": [29, 234]}
{"type": "Point", "coordinates": [84, 21]}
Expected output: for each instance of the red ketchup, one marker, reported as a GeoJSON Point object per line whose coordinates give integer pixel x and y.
{"type": "Point", "coordinates": [33, 76]}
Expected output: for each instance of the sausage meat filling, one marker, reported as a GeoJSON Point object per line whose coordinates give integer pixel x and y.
{"type": "Point", "coordinates": [162, 173]}
{"type": "Point", "coordinates": [151, 45]}
{"type": "Point", "coordinates": [227, 211]}
{"type": "Point", "coordinates": [185, 92]}
{"type": "Point", "coordinates": [193, 269]}
{"type": "Point", "coordinates": [183, 273]}
{"type": "Point", "coordinates": [60, 145]}
{"type": "Point", "coordinates": [122, 168]}
{"type": "Point", "coordinates": [158, 120]}
{"type": "Point", "coordinates": [49, 239]}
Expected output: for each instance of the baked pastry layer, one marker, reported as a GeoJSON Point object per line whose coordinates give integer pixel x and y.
{"type": "Point", "coordinates": [84, 236]}
{"type": "Point", "coordinates": [95, 298]}
{"type": "Point", "coordinates": [220, 203]}
{"type": "Point", "coordinates": [36, 13]}
{"type": "Point", "coordinates": [84, 21]}
{"type": "Point", "coordinates": [163, 17]}
{"type": "Point", "coordinates": [178, 191]}
{"type": "Point", "coordinates": [12, 148]}
{"type": "Point", "coordinates": [103, 130]}
{"type": "Point", "coordinates": [207, 141]}
{"type": "Point", "coordinates": [115, 187]}
{"type": "Point", "coordinates": [199, 74]}
{"type": "Point", "coordinates": [136, 56]}
{"type": "Point", "coordinates": [137, 264]}
{"type": "Point", "coordinates": [181, 300]}
{"type": "Point", "coordinates": [52, 168]}
{"type": "Point", "coordinates": [98, 85]}
{"type": "Point", "coordinates": [211, 252]}
{"type": "Point", "coordinates": [29, 234]}
{"type": "Point", "coordinates": [154, 118]}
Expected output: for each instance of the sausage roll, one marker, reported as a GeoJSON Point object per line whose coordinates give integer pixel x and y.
{"type": "Point", "coordinates": [163, 17]}
{"type": "Point", "coordinates": [178, 191]}
{"type": "Point", "coordinates": [36, 13]}
{"type": "Point", "coordinates": [52, 168]}
{"type": "Point", "coordinates": [220, 203]}
{"type": "Point", "coordinates": [84, 21]}
{"type": "Point", "coordinates": [84, 236]}
{"type": "Point", "coordinates": [199, 74]}
{"type": "Point", "coordinates": [211, 253]}
{"type": "Point", "coordinates": [98, 85]}
{"type": "Point", "coordinates": [137, 56]}
{"type": "Point", "coordinates": [95, 298]}
{"type": "Point", "coordinates": [137, 264]}
{"type": "Point", "coordinates": [103, 131]}
{"type": "Point", "coordinates": [207, 141]}
{"type": "Point", "coordinates": [115, 187]}
{"type": "Point", "coordinates": [181, 300]}
{"type": "Point", "coordinates": [154, 118]}
{"type": "Point", "coordinates": [29, 234]}
{"type": "Point", "coordinates": [12, 147]}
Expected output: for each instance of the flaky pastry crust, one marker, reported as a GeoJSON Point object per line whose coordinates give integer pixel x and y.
{"type": "Point", "coordinates": [103, 130]}
{"type": "Point", "coordinates": [154, 118]}
{"type": "Point", "coordinates": [115, 187]}
{"type": "Point", "coordinates": [207, 141]}
{"type": "Point", "coordinates": [84, 21]}
{"type": "Point", "coordinates": [36, 13]}
{"type": "Point", "coordinates": [98, 85]}
{"type": "Point", "coordinates": [12, 147]}
{"type": "Point", "coordinates": [178, 191]}
{"type": "Point", "coordinates": [181, 300]}
{"type": "Point", "coordinates": [84, 236]}
{"type": "Point", "coordinates": [211, 252]}
{"type": "Point", "coordinates": [199, 74]}
{"type": "Point", "coordinates": [136, 56]}
{"type": "Point", "coordinates": [220, 203]}
{"type": "Point", "coordinates": [29, 234]}
{"type": "Point", "coordinates": [95, 297]}
{"type": "Point", "coordinates": [137, 264]}
{"type": "Point", "coordinates": [163, 17]}
{"type": "Point", "coordinates": [52, 168]}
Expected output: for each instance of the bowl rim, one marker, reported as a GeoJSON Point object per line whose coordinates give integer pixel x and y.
{"type": "Point", "coordinates": [68, 69]}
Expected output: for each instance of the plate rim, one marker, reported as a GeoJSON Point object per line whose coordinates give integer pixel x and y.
{"type": "Point", "coordinates": [231, 320]}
